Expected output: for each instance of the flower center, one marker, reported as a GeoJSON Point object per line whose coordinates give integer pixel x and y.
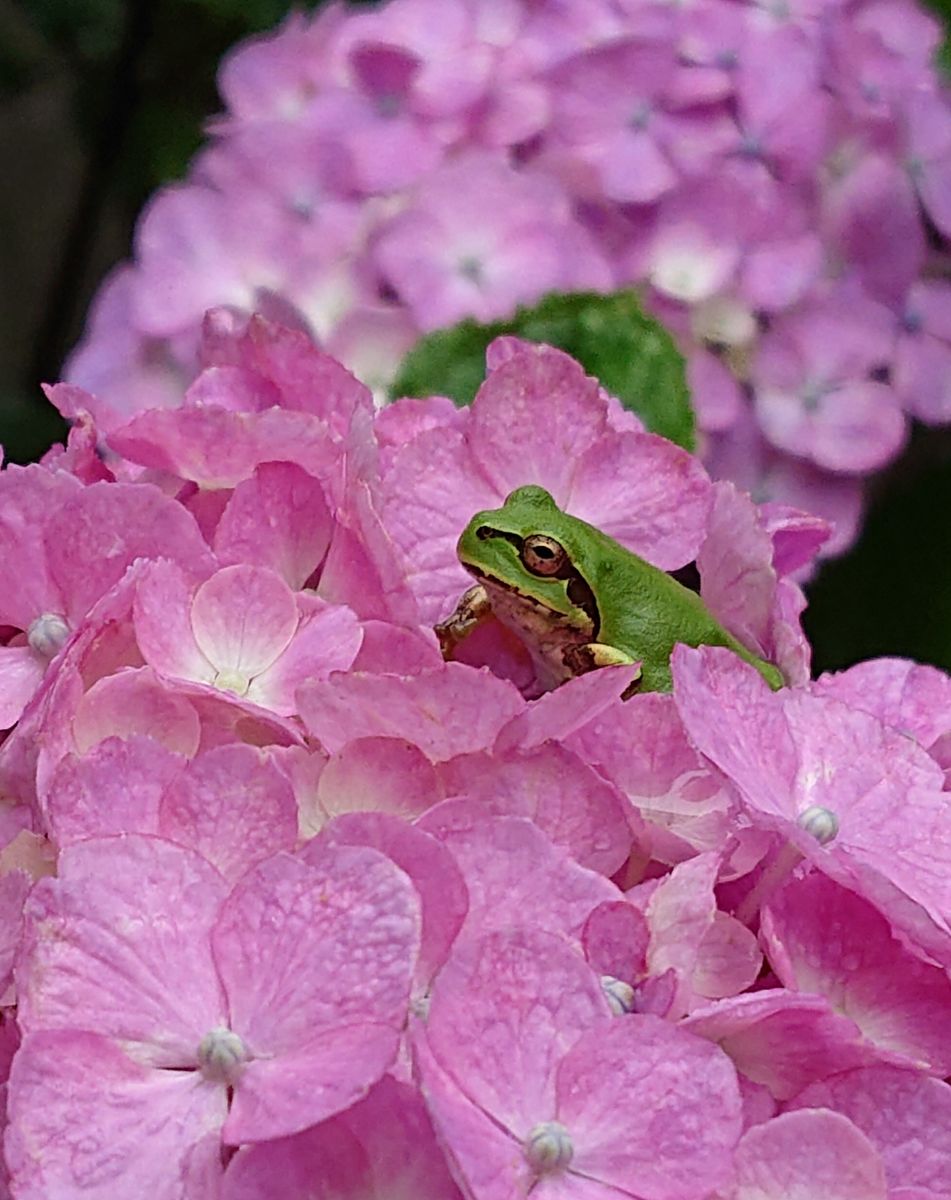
{"type": "Point", "coordinates": [221, 1055]}
{"type": "Point", "coordinates": [620, 995]}
{"type": "Point", "coordinates": [821, 822]}
{"type": "Point", "coordinates": [548, 1148]}
{"type": "Point", "coordinates": [232, 681]}
{"type": "Point", "coordinates": [48, 634]}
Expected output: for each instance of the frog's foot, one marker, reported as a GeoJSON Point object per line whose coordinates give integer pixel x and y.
{"type": "Point", "coordinates": [591, 655]}
{"type": "Point", "coordinates": [473, 608]}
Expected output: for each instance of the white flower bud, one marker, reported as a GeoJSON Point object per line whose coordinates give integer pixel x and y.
{"type": "Point", "coordinates": [620, 995]}
{"type": "Point", "coordinates": [48, 634]}
{"type": "Point", "coordinates": [821, 822]}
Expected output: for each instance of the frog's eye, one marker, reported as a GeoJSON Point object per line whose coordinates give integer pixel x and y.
{"type": "Point", "coordinates": [543, 555]}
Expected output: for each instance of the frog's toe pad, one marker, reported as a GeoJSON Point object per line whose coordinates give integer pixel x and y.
{"type": "Point", "coordinates": [592, 655]}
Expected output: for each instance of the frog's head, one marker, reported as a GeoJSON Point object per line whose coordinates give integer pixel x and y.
{"type": "Point", "coordinates": [532, 549]}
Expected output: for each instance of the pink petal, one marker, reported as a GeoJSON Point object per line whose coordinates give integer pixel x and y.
{"type": "Point", "coordinates": [503, 1008]}
{"type": "Point", "coordinates": [428, 495]}
{"type": "Point", "coordinates": [455, 710]}
{"type": "Point", "coordinates": [163, 627]}
{"type": "Point", "coordinates": [822, 938]}
{"type": "Point", "coordinates": [233, 806]}
{"type": "Point", "coordinates": [243, 618]}
{"type": "Point", "coordinates": [115, 788]}
{"type": "Point", "coordinates": [486, 1155]}
{"type": "Point", "coordinates": [810, 1154]}
{"type": "Point", "coordinates": [378, 774]}
{"type": "Point", "coordinates": [912, 698]}
{"type": "Point", "coordinates": [361, 1152]}
{"type": "Point", "coordinates": [97, 534]}
{"type": "Point", "coordinates": [86, 1121]}
{"type": "Point", "coordinates": [134, 702]}
{"type": "Point", "coordinates": [650, 495]}
{"type": "Point", "coordinates": [514, 874]}
{"type": "Point", "coordinates": [643, 1101]}
{"type": "Point", "coordinates": [21, 673]}
{"type": "Point", "coordinates": [568, 800]}
{"type": "Point", "coordinates": [119, 943]}
{"type": "Point", "coordinates": [783, 1040]}
{"type": "Point", "coordinates": [615, 939]}
{"type": "Point", "coordinates": [532, 419]}
{"type": "Point", "coordinates": [558, 713]}
{"type": "Point", "coordinates": [729, 959]}
{"type": "Point", "coordinates": [430, 866]}
{"type": "Point", "coordinates": [327, 639]}
{"type": "Point", "coordinates": [905, 1115]}
{"type": "Point", "coordinates": [316, 959]}
{"type": "Point", "coordinates": [279, 519]}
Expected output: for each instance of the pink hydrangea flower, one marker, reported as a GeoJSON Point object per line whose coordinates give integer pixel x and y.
{"type": "Point", "coordinates": [280, 889]}
{"type": "Point", "coordinates": [183, 992]}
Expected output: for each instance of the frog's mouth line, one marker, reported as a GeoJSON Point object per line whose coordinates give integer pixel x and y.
{"type": "Point", "coordinates": [577, 590]}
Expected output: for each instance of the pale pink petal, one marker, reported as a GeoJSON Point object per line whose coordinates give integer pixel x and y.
{"type": "Point", "coordinates": [729, 959]}
{"type": "Point", "coordinates": [396, 650]}
{"type": "Point", "coordinates": [316, 959]}
{"type": "Point", "coordinates": [134, 702]}
{"type": "Point", "coordinates": [429, 493]}
{"type": "Point", "coordinates": [381, 774]}
{"type": "Point", "coordinates": [163, 627]}
{"type": "Point", "coordinates": [118, 942]}
{"type": "Point", "coordinates": [365, 567]}
{"type": "Point", "coordinates": [487, 1156]}
{"type": "Point", "coordinates": [327, 639]}
{"type": "Point", "coordinates": [816, 1155]}
{"type": "Point", "coordinates": [233, 806]}
{"type": "Point", "coordinates": [532, 419]}
{"type": "Point", "coordinates": [909, 696]}
{"type": "Point", "coordinates": [455, 710]}
{"type": "Point", "coordinates": [243, 618]}
{"type": "Point", "coordinates": [279, 519]}
{"type": "Point", "coordinates": [558, 713]}
{"type": "Point", "coordinates": [679, 914]}
{"type": "Point", "coordinates": [85, 1121]}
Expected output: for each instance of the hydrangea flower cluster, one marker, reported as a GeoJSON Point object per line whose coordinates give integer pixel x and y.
{"type": "Point", "coordinates": [290, 906]}
{"type": "Point", "coordinates": [775, 175]}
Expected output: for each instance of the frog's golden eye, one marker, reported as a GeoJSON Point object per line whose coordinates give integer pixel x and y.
{"type": "Point", "coordinates": [543, 555]}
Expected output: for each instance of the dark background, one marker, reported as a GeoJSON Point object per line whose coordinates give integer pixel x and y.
{"type": "Point", "coordinates": [101, 101]}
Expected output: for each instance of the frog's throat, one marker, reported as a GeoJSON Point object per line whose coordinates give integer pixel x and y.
{"type": "Point", "coordinates": [532, 616]}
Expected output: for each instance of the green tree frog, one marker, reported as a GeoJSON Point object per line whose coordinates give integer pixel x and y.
{"type": "Point", "coordinates": [578, 599]}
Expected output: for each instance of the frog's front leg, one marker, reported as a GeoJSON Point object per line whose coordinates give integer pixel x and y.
{"type": "Point", "coordinates": [473, 608]}
{"type": "Point", "coordinates": [588, 656]}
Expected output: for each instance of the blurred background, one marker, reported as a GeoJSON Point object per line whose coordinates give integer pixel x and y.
{"type": "Point", "coordinates": [101, 101]}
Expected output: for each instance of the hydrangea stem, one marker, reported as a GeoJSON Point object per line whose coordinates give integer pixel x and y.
{"type": "Point", "coordinates": [787, 859]}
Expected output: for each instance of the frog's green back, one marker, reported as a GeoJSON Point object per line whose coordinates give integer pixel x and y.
{"type": "Point", "coordinates": [642, 609]}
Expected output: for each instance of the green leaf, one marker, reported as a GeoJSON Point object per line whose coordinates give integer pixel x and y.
{"type": "Point", "coordinates": [611, 336]}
